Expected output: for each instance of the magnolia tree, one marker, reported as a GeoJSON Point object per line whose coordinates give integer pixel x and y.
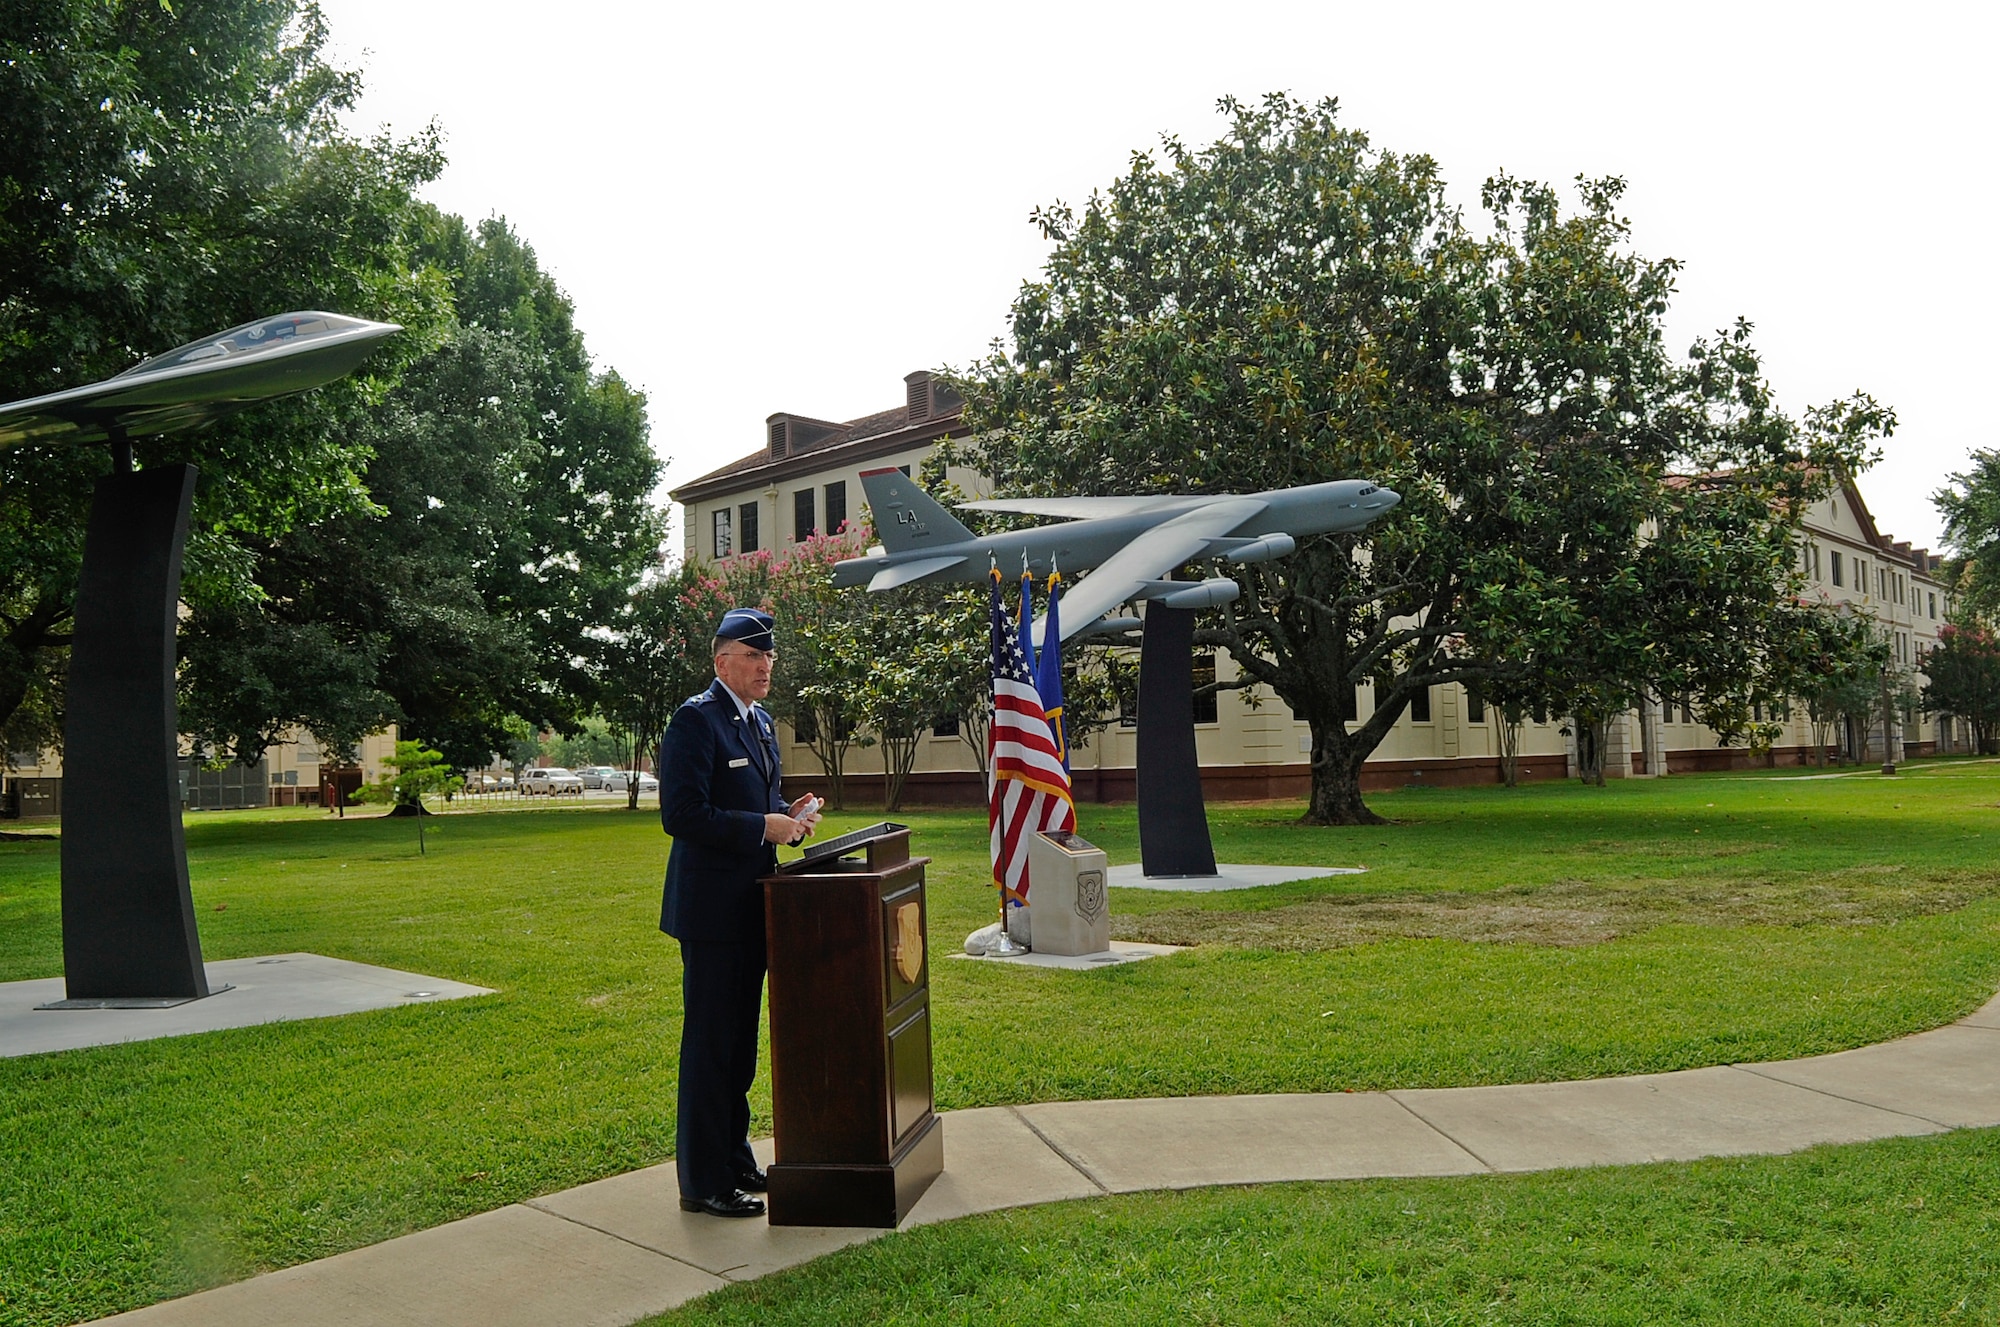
{"type": "Point", "coordinates": [1585, 517]}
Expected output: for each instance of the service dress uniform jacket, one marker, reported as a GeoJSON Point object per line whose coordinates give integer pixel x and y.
{"type": "Point", "coordinates": [719, 778]}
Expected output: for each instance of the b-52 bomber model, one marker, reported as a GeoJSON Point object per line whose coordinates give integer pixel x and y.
{"type": "Point", "coordinates": [1132, 542]}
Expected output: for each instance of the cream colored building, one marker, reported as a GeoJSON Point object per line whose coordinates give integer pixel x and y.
{"type": "Point", "coordinates": [779, 493]}
{"type": "Point", "coordinates": [288, 774]}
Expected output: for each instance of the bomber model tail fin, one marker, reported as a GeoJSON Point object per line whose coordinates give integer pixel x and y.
{"type": "Point", "coordinates": [907, 519]}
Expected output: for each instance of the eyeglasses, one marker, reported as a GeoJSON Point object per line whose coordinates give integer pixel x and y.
{"type": "Point", "coordinates": [771, 655]}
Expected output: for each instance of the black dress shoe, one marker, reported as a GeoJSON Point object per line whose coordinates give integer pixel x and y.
{"type": "Point", "coordinates": [733, 1203]}
{"type": "Point", "coordinates": [753, 1181]}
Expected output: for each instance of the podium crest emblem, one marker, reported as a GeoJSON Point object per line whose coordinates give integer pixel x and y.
{"type": "Point", "coordinates": [1090, 895]}
{"type": "Point", "coordinates": [909, 942]}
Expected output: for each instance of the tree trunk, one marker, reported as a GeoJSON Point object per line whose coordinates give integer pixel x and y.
{"type": "Point", "coordinates": [20, 652]}
{"type": "Point", "coordinates": [899, 754]}
{"type": "Point", "coordinates": [1336, 781]}
{"type": "Point", "coordinates": [1591, 736]}
{"type": "Point", "coordinates": [1510, 750]}
{"type": "Point", "coordinates": [972, 731]}
{"type": "Point", "coordinates": [829, 748]}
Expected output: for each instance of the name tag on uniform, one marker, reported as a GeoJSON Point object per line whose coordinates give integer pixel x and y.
{"type": "Point", "coordinates": [739, 762]}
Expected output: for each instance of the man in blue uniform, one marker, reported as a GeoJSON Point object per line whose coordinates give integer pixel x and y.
{"type": "Point", "coordinates": [720, 800]}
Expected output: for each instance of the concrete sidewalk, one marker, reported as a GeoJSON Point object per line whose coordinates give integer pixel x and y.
{"type": "Point", "coordinates": [619, 1250]}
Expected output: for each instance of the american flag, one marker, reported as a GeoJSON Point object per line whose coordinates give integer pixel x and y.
{"type": "Point", "coordinates": [1029, 789]}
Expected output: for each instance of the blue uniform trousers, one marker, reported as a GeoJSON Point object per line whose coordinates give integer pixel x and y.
{"type": "Point", "coordinates": [722, 987]}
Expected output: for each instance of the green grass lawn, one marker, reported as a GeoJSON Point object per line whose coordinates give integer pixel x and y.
{"type": "Point", "coordinates": [1540, 933]}
{"type": "Point", "coordinates": [1901, 1231]}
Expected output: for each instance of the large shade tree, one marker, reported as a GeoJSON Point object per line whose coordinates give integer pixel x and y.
{"type": "Point", "coordinates": [168, 171]}
{"type": "Point", "coordinates": [510, 518]}
{"type": "Point", "coordinates": [1970, 504]}
{"type": "Point", "coordinates": [1291, 305]}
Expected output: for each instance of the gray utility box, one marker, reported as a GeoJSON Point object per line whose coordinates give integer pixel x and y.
{"type": "Point", "coordinates": [1068, 895]}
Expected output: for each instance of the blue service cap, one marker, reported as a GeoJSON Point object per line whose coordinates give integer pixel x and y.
{"type": "Point", "coordinates": [752, 626]}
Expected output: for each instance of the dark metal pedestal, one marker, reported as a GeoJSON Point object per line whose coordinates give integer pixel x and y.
{"type": "Point", "coordinates": [129, 936]}
{"type": "Point", "coordinates": [1173, 820]}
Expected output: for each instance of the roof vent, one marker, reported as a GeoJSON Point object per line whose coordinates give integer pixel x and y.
{"type": "Point", "coordinates": [917, 391]}
{"type": "Point", "coordinates": [778, 433]}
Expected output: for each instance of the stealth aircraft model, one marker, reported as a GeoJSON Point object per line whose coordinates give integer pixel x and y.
{"type": "Point", "coordinates": [1132, 542]}
{"type": "Point", "coordinates": [199, 383]}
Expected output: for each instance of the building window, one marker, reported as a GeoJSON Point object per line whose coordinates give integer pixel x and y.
{"type": "Point", "coordinates": [1475, 707]}
{"type": "Point", "coordinates": [1351, 711]}
{"type": "Point", "coordinates": [905, 469]}
{"type": "Point", "coordinates": [836, 506]}
{"type": "Point", "coordinates": [722, 533]}
{"type": "Point", "coordinates": [746, 537]}
{"type": "Point", "coordinates": [1420, 705]}
{"type": "Point", "coordinates": [802, 515]}
{"type": "Point", "coordinates": [1834, 558]}
{"type": "Point", "coordinates": [1933, 598]}
{"type": "Point", "coordinates": [945, 727]}
{"type": "Point", "coordinates": [1205, 708]}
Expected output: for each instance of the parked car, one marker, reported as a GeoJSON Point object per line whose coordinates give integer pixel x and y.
{"type": "Point", "coordinates": [551, 781]}
{"type": "Point", "coordinates": [596, 776]}
{"type": "Point", "coordinates": [621, 779]}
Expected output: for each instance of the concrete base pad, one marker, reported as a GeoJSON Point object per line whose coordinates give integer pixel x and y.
{"type": "Point", "coordinates": [1120, 952]}
{"type": "Point", "coordinates": [259, 990]}
{"type": "Point", "coordinates": [1227, 875]}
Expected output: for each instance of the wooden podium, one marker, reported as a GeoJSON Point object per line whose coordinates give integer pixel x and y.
{"type": "Point", "coordinates": [857, 1138]}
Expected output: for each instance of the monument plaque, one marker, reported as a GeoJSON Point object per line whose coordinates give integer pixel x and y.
{"type": "Point", "coordinates": [1067, 894]}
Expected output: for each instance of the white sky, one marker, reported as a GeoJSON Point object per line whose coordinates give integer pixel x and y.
{"type": "Point", "coordinates": [774, 207]}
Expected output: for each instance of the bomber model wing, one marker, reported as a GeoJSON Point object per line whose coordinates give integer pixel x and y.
{"type": "Point", "coordinates": [1134, 571]}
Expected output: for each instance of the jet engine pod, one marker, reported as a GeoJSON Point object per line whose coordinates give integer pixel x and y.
{"type": "Point", "coordinates": [1263, 550]}
{"type": "Point", "coordinates": [1202, 594]}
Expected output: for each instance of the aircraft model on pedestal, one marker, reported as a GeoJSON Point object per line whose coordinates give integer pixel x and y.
{"type": "Point", "coordinates": [1133, 542]}
{"type": "Point", "coordinates": [129, 934]}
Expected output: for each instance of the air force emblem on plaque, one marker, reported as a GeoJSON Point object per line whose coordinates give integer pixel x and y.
{"type": "Point", "coordinates": [1090, 895]}
{"type": "Point", "coordinates": [909, 942]}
